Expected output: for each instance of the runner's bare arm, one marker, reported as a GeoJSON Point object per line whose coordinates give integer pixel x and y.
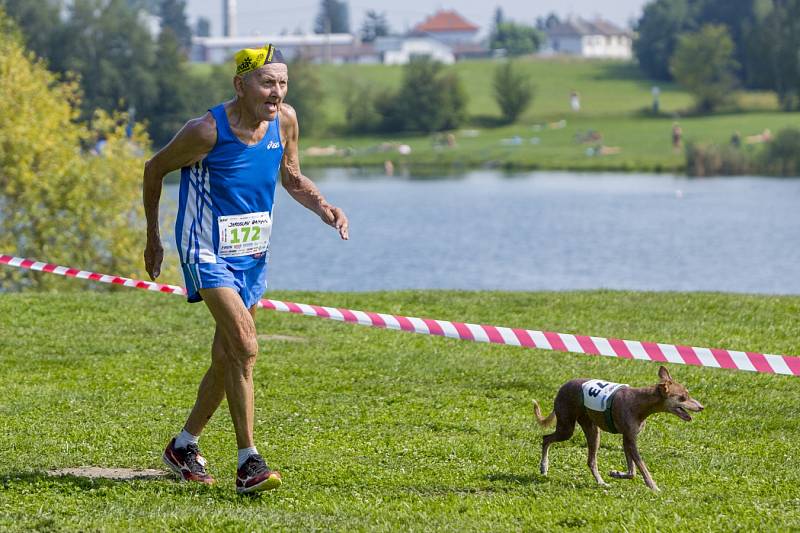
{"type": "Point", "coordinates": [300, 187]}
{"type": "Point", "coordinates": [190, 144]}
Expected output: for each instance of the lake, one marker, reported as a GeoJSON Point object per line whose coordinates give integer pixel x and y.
{"type": "Point", "coordinates": [541, 231]}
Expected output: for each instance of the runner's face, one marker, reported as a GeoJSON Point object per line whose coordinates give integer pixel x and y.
{"type": "Point", "coordinates": [264, 90]}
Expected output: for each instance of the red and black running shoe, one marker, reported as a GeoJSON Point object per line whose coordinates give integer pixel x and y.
{"type": "Point", "coordinates": [187, 463]}
{"type": "Point", "coordinates": [254, 475]}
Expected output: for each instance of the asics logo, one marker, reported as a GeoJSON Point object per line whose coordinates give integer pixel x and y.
{"type": "Point", "coordinates": [272, 145]}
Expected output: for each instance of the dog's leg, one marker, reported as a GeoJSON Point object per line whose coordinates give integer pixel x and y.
{"type": "Point", "coordinates": [593, 444]}
{"type": "Point", "coordinates": [630, 474]}
{"type": "Point", "coordinates": [633, 452]}
{"type": "Point", "coordinates": [564, 430]}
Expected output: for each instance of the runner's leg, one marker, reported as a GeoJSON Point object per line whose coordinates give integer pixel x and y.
{"type": "Point", "coordinates": [238, 333]}
{"type": "Point", "coordinates": [211, 390]}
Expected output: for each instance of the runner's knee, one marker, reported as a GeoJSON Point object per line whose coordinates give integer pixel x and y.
{"type": "Point", "coordinates": [243, 347]}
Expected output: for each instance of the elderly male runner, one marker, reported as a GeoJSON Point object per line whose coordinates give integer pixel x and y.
{"type": "Point", "coordinates": [229, 161]}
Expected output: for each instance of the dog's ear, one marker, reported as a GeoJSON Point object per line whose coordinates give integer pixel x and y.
{"type": "Point", "coordinates": [663, 374]}
{"type": "Point", "coordinates": [663, 389]}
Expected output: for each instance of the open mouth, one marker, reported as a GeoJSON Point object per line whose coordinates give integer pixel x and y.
{"type": "Point", "coordinates": [271, 107]}
{"type": "Point", "coordinates": [681, 412]}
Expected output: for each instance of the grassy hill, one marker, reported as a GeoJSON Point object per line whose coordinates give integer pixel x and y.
{"type": "Point", "coordinates": [615, 102]}
{"type": "Point", "coordinates": [378, 430]}
{"type": "Point", "coordinates": [607, 88]}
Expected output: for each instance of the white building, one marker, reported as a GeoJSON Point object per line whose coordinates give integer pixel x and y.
{"type": "Point", "coordinates": [400, 50]}
{"type": "Point", "coordinates": [445, 36]}
{"type": "Point", "coordinates": [598, 38]}
{"type": "Point", "coordinates": [318, 47]}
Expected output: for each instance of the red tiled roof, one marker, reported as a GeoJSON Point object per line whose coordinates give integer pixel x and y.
{"type": "Point", "coordinates": [444, 21]}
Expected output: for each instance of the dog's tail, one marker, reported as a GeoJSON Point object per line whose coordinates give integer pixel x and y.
{"type": "Point", "coordinates": [544, 422]}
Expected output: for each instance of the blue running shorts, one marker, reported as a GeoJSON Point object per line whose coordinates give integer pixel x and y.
{"type": "Point", "coordinates": [250, 283]}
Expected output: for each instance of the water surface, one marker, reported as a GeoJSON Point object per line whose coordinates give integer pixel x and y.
{"type": "Point", "coordinates": [542, 231]}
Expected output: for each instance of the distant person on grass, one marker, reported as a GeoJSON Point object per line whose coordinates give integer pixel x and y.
{"type": "Point", "coordinates": [229, 160]}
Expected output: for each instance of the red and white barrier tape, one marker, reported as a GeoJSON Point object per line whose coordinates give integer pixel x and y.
{"type": "Point", "coordinates": [544, 340]}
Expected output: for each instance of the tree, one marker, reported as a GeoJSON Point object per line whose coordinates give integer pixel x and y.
{"type": "Point", "coordinates": [429, 99]}
{"type": "Point", "coordinates": [105, 43]}
{"type": "Point", "coordinates": [172, 107]}
{"type": "Point", "coordinates": [151, 6]}
{"type": "Point", "coordinates": [39, 22]}
{"type": "Point", "coordinates": [774, 50]}
{"type": "Point", "coordinates": [737, 15]}
{"type": "Point", "coordinates": [548, 22]}
{"type": "Point", "coordinates": [59, 201]}
{"type": "Point", "coordinates": [453, 106]}
{"type": "Point", "coordinates": [360, 113]}
{"type": "Point", "coordinates": [333, 17]}
{"type": "Point", "coordinates": [375, 25]}
{"type": "Point", "coordinates": [203, 27]}
{"type": "Point", "coordinates": [515, 39]}
{"type": "Point", "coordinates": [513, 91]}
{"type": "Point", "coordinates": [173, 16]}
{"type": "Point", "coordinates": [499, 18]}
{"type": "Point", "coordinates": [305, 95]}
{"type": "Point", "coordinates": [658, 29]}
{"type": "Point", "coordinates": [703, 63]}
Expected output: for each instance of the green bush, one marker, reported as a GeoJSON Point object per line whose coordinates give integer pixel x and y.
{"type": "Point", "coordinates": [306, 96]}
{"type": "Point", "coordinates": [781, 156]}
{"type": "Point", "coordinates": [513, 91]}
{"type": "Point", "coordinates": [703, 63]}
{"type": "Point", "coordinates": [516, 39]}
{"type": "Point", "coordinates": [64, 198]}
{"type": "Point", "coordinates": [360, 109]}
{"type": "Point", "coordinates": [430, 99]}
{"type": "Point", "coordinates": [716, 160]}
{"type": "Point", "coordinates": [777, 157]}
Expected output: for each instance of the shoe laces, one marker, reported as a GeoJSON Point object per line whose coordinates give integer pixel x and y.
{"type": "Point", "coordinates": [194, 460]}
{"type": "Point", "coordinates": [255, 465]}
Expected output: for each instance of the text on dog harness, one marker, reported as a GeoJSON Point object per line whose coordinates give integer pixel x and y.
{"type": "Point", "coordinates": [597, 393]}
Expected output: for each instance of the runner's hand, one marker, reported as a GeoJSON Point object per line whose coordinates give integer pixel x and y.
{"type": "Point", "coordinates": [153, 256]}
{"type": "Point", "coordinates": [333, 216]}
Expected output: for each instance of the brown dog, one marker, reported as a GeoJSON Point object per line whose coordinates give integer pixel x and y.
{"type": "Point", "coordinates": [614, 408]}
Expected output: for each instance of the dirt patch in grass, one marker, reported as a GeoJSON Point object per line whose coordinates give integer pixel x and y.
{"type": "Point", "coordinates": [98, 472]}
{"type": "Point", "coordinates": [282, 338]}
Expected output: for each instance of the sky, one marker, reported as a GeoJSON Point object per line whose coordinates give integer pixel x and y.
{"type": "Point", "coordinates": [269, 18]}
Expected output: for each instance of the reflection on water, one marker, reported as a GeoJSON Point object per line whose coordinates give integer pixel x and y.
{"type": "Point", "coordinates": [542, 231]}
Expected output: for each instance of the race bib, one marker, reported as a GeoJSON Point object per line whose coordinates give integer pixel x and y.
{"type": "Point", "coordinates": [246, 234]}
{"type": "Point", "coordinates": [596, 393]}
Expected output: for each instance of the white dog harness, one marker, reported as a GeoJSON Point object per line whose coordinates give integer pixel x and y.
{"type": "Point", "coordinates": [598, 395]}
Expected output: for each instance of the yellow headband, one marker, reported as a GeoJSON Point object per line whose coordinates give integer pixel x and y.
{"type": "Point", "coordinates": [249, 59]}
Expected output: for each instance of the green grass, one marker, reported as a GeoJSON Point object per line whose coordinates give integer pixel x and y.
{"type": "Point", "coordinates": [614, 99]}
{"type": "Point", "coordinates": [644, 143]}
{"type": "Point", "coordinates": [380, 430]}
{"type": "Point", "coordinates": [607, 88]}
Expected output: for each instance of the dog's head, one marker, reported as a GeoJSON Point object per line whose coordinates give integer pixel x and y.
{"type": "Point", "coordinates": [676, 397]}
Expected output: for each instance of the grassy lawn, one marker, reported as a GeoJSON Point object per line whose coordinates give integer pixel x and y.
{"type": "Point", "coordinates": [615, 102]}
{"type": "Point", "coordinates": [607, 88]}
{"type": "Point", "coordinates": [615, 98]}
{"type": "Point", "coordinates": [380, 430]}
{"type": "Point", "coordinates": [644, 143]}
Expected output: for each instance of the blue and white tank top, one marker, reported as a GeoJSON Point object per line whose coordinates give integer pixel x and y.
{"type": "Point", "coordinates": [222, 195]}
